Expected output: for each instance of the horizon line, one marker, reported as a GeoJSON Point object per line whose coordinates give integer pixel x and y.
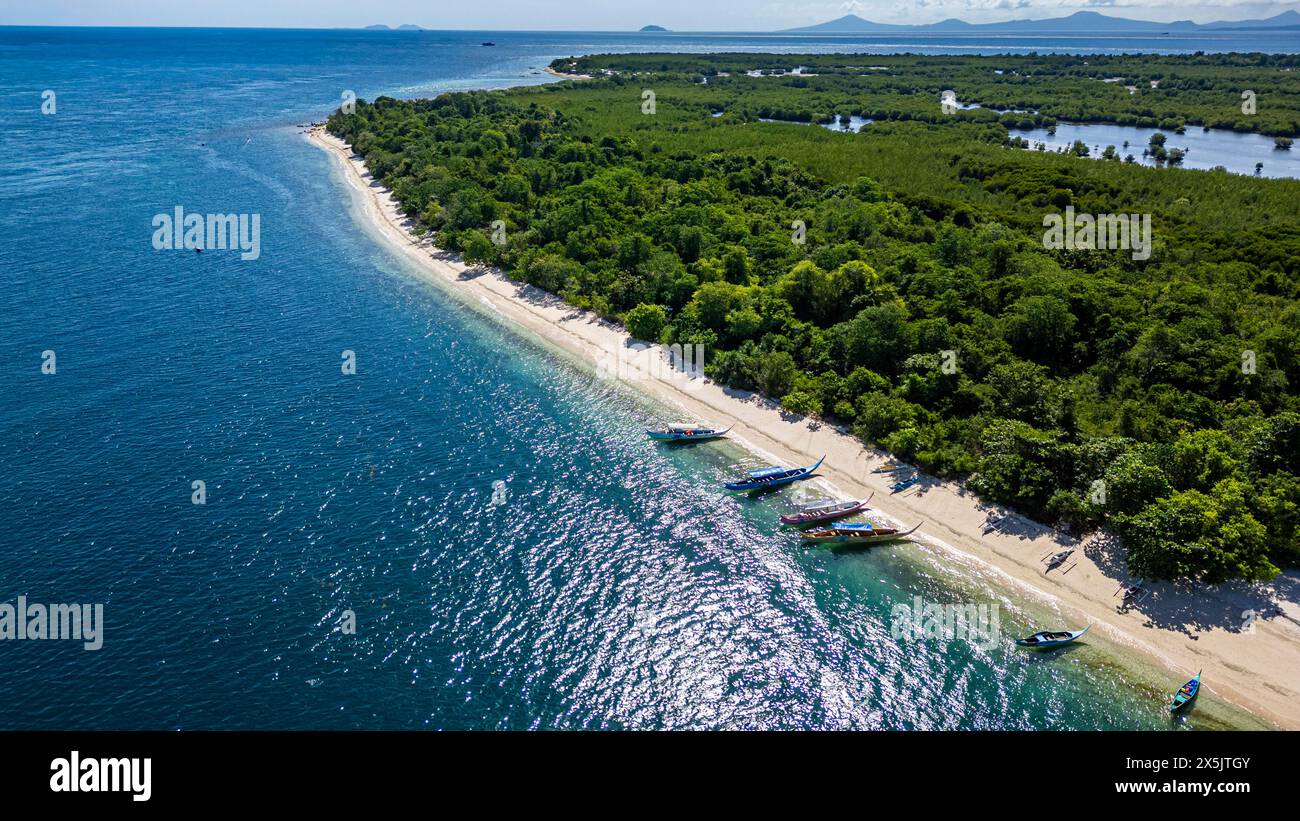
{"type": "Point", "coordinates": [797, 29]}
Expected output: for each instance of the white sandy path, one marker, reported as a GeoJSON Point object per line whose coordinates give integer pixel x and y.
{"type": "Point", "coordinates": [1183, 629]}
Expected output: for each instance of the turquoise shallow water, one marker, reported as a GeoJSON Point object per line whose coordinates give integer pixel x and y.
{"type": "Point", "coordinates": [614, 588]}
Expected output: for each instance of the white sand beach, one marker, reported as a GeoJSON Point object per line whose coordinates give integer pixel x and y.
{"type": "Point", "coordinates": [1252, 661]}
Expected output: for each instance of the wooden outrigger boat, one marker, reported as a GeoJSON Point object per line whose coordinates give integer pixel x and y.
{"type": "Point", "coordinates": [773, 477]}
{"type": "Point", "coordinates": [888, 467]}
{"type": "Point", "coordinates": [687, 432]}
{"type": "Point", "coordinates": [1186, 695]}
{"type": "Point", "coordinates": [899, 487]}
{"type": "Point", "coordinates": [856, 534]}
{"type": "Point", "coordinates": [1057, 559]}
{"type": "Point", "coordinates": [1045, 639]}
{"type": "Point", "coordinates": [819, 513]}
{"type": "Point", "coordinates": [995, 521]}
{"type": "Point", "coordinates": [1133, 594]}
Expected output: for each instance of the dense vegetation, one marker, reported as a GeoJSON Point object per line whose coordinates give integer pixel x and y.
{"type": "Point", "coordinates": [1148, 91]}
{"type": "Point", "coordinates": [922, 309]}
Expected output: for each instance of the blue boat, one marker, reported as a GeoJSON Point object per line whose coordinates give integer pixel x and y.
{"type": "Point", "coordinates": [773, 477]}
{"type": "Point", "coordinates": [904, 485]}
{"type": "Point", "coordinates": [1186, 695]}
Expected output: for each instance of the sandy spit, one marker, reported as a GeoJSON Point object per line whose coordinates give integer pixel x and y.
{"type": "Point", "coordinates": [1245, 638]}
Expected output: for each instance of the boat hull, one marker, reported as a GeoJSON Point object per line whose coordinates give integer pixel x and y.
{"type": "Point", "coordinates": [793, 476]}
{"type": "Point", "coordinates": [663, 436]}
{"type": "Point", "coordinates": [831, 516]}
{"type": "Point", "coordinates": [854, 540]}
{"type": "Point", "coordinates": [782, 482]}
{"type": "Point", "coordinates": [1048, 645]}
{"type": "Point", "coordinates": [1181, 700]}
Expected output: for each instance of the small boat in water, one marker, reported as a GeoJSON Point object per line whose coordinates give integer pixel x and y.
{"type": "Point", "coordinates": [773, 477]}
{"type": "Point", "coordinates": [856, 534]}
{"type": "Point", "coordinates": [822, 512]}
{"type": "Point", "coordinates": [489, 43]}
{"type": "Point", "coordinates": [1044, 639]}
{"type": "Point", "coordinates": [687, 431]}
{"type": "Point", "coordinates": [1186, 695]}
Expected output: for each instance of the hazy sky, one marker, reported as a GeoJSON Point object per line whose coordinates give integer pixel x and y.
{"type": "Point", "coordinates": [599, 15]}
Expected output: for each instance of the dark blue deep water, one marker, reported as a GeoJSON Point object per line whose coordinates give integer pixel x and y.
{"type": "Point", "coordinates": [612, 589]}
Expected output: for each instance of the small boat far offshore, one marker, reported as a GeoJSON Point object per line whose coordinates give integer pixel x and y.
{"type": "Point", "coordinates": [687, 431]}
{"type": "Point", "coordinates": [1045, 639]}
{"type": "Point", "coordinates": [819, 513]}
{"type": "Point", "coordinates": [773, 477]}
{"type": "Point", "coordinates": [1186, 695]}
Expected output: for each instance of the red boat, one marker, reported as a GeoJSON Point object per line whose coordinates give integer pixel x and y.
{"type": "Point", "coordinates": [819, 513]}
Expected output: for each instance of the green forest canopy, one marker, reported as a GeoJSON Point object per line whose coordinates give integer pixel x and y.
{"type": "Point", "coordinates": [1154, 397]}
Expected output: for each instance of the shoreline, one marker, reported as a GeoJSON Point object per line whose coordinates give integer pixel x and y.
{"type": "Point", "coordinates": [564, 76]}
{"type": "Point", "coordinates": [1180, 629]}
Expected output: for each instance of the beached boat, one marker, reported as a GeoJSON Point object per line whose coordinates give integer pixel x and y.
{"type": "Point", "coordinates": [1186, 695]}
{"type": "Point", "coordinates": [1044, 639]}
{"type": "Point", "coordinates": [855, 534]}
{"type": "Point", "coordinates": [1133, 594]}
{"type": "Point", "coordinates": [822, 512]}
{"type": "Point", "coordinates": [995, 521]}
{"type": "Point", "coordinates": [1057, 559]}
{"type": "Point", "coordinates": [687, 432]}
{"type": "Point", "coordinates": [773, 477]}
{"type": "Point", "coordinates": [888, 467]}
{"type": "Point", "coordinates": [898, 487]}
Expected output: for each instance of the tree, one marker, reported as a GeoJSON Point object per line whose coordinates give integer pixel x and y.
{"type": "Point", "coordinates": [774, 372]}
{"type": "Point", "coordinates": [1202, 537]}
{"type": "Point", "coordinates": [470, 208]}
{"type": "Point", "coordinates": [877, 338]}
{"type": "Point", "coordinates": [713, 301]}
{"type": "Point", "coordinates": [1130, 483]}
{"type": "Point", "coordinates": [808, 290]}
{"type": "Point", "coordinates": [551, 272]}
{"type": "Point", "coordinates": [1275, 445]}
{"type": "Point", "coordinates": [802, 402]}
{"type": "Point", "coordinates": [1041, 328]}
{"type": "Point", "coordinates": [476, 247]}
{"type": "Point", "coordinates": [646, 322]}
{"type": "Point", "coordinates": [690, 241]}
{"type": "Point", "coordinates": [735, 266]}
{"type": "Point", "coordinates": [513, 188]}
{"type": "Point", "coordinates": [1019, 390]}
{"type": "Point", "coordinates": [1201, 458]}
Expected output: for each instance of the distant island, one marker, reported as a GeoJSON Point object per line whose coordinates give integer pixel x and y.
{"type": "Point", "coordinates": [1082, 21]}
{"type": "Point", "coordinates": [403, 27]}
{"type": "Point", "coordinates": [653, 28]}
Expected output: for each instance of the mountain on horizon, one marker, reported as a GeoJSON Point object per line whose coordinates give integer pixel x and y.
{"type": "Point", "coordinates": [1080, 22]}
{"type": "Point", "coordinates": [1287, 19]}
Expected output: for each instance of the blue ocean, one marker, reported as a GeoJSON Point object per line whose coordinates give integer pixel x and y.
{"type": "Point", "coordinates": [606, 584]}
